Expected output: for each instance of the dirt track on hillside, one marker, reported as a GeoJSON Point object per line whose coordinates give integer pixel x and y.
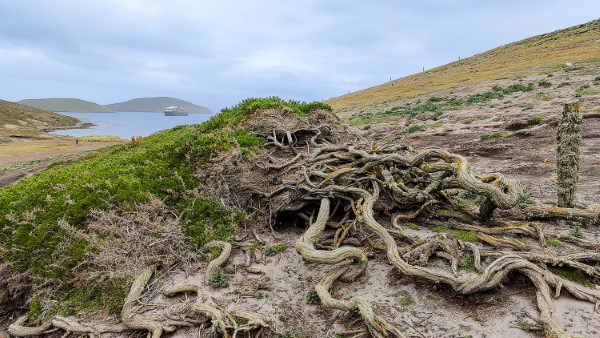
{"type": "Point", "coordinates": [23, 157]}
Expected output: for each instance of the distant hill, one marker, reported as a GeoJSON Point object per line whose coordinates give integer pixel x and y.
{"type": "Point", "coordinates": [66, 105]}
{"type": "Point", "coordinates": [156, 104]}
{"type": "Point", "coordinates": [21, 120]}
{"type": "Point", "coordinates": [540, 53]}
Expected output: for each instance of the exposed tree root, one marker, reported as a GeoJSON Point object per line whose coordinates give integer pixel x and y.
{"type": "Point", "coordinates": [367, 182]}
{"type": "Point", "coordinates": [217, 262]}
{"type": "Point", "coordinates": [129, 316]}
{"type": "Point", "coordinates": [322, 176]}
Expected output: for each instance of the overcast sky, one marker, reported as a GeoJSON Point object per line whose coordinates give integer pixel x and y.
{"type": "Point", "coordinates": [217, 52]}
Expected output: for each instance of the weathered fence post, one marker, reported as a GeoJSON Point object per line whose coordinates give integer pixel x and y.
{"type": "Point", "coordinates": [568, 140]}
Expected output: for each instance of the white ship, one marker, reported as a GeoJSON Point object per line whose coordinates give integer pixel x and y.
{"type": "Point", "coordinates": [175, 111]}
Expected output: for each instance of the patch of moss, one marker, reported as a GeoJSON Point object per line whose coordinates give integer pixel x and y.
{"type": "Point", "coordinates": [468, 265]}
{"type": "Point", "coordinates": [412, 225]}
{"type": "Point", "coordinates": [572, 275]}
{"type": "Point", "coordinates": [465, 235]}
{"type": "Point", "coordinates": [405, 299]}
{"type": "Point", "coordinates": [274, 249]}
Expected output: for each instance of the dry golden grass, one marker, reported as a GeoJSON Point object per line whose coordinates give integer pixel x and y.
{"type": "Point", "coordinates": [540, 53]}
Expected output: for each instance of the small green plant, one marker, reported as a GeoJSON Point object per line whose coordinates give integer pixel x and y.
{"type": "Point", "coordinates": [563, 84]}
{"type": "Point", "coordinates": [219, 279]}
{"type": "Point", "coordinates": [527, 107]}
{"type": "Point", "coordinates": [275, 249]}
{"type": "Point", "coordinates": [484, 97]}
{"type": "Point", "coordinates": [465, 327]}
{"type": "Point", "coordinates": [518, 87]}
{"type": "Point", "coordinates": [288, 334]}
{"type": "Point", "coordinates": [527, 326]}
{"type": "Point", "coordinates": [543, 96]}
{"type": "Point", "coordinates": [572, 275]}
{"type": "Point", "coordinates": [544, 84]}
{"type": "Point", "coordinates": [490, 136]}
{"type": "Point", "coordinates": [535, 119]}
{"type": "Point", "coordinates": [443, 227]}
{"type": "Point", "coordinates": [575, 231]}
{"type": "Point", "coordinates": [468, 265]}
{"type": "Point", "coordinates": [467, 121]}
{"type": "Point", "coordinates": [597, 79]}
{"type": "Point", "coordinates": [259, 294]}
{"type": "Point", "coordinates": [525, 199]}
{"type": "Point", "coordinates": [555, 243]}
{"type": "Point", "coordinates": [413, 128]}
{"type": "Point", "coordinates": [405, 299]}
{"type": "Point", "coordinates": [312, 297]}
{"type": "Point", "coordinates": [282, 317]}
{"type": "Point", "coordinates": [436, 115]}
{"type": "Point", "coordinates": [412, 225]}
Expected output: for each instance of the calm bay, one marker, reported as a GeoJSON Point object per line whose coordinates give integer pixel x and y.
{"type": "Point", "coordinates": [128, 124]}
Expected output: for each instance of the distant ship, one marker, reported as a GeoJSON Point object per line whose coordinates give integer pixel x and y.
{"type": "Point", "coordinates": [175, 111]}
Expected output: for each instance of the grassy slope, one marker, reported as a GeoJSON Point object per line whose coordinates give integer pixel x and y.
{"type": "Point", "coordinates": [535, 54]}
{"type": "Point", "coordinates": [26, 120]}
{"type": "Point", "coordinates": [33, 242]}
{"type": "Point", "coordinates": [156, 104]}
{"type": "Point", "coordinates": [66, 105]}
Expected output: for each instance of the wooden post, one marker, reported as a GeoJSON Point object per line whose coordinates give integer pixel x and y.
{"type": "Point", "coordinates": [568, 140]}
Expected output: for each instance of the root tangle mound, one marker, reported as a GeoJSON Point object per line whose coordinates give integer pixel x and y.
{"type": "Point", "coordinates": [356, 200]}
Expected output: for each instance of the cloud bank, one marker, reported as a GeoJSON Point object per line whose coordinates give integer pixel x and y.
{"type": "Point", "coordinates": [216, 53]}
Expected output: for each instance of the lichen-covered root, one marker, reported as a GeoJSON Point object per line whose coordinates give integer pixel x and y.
{"type": "Point", "coordinates": [217, 262]}
{"type": "Point", "coordinates": [128, 315]}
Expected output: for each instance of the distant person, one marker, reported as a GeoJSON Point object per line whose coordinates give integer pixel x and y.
{"type": "Point", "coordinates": [138, 138]}
{"type": "Point", "coordinates": [77, 141]}
{"type": "Point", "coordinates": [132, 138]}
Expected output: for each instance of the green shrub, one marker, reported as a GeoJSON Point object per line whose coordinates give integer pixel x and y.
{"type": "Point", "coordinates": [563, 84]}
{"type": "Point", "coordinates": [484, 97]}
{"type": "Point", "coordinates": [413, 128]}
{"type": "Point", "coordinates": [544, 84]}
{"type": "Point", "coordinates": [518, 87]}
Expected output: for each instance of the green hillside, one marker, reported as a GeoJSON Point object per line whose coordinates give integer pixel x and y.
{"type": "Point", "coordinates": [18, 119]}
{"type": "Point", "coordinates": [540, 53]}
{"type": "Point", "coordinates": [156, 104]}
{"type": "Point", "coordinates": [66, 105]}
{"type": "Point", "coordinates": [44, 235]}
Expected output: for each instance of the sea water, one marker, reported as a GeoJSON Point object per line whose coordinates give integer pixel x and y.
{"type": "Point", "coordinates": [128, 124]}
